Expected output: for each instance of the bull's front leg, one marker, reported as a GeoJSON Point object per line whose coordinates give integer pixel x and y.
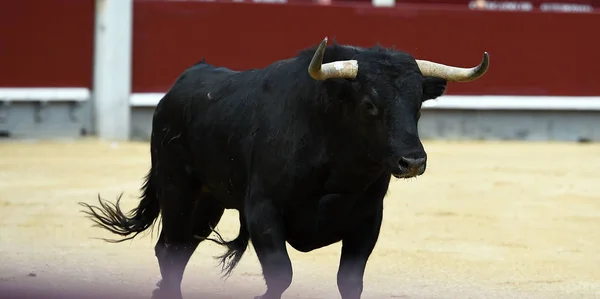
{"type": "Point", "coordinates": [356, 249]}
{"type": "Point", "coordinates": [268, 239]}
{"type": "Point", "coordinates": [357, 245]}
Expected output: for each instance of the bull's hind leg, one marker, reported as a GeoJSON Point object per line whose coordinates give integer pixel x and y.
{"type": "Point", "coordinates": [184, 224]}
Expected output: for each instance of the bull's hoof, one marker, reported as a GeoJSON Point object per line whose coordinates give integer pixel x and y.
{"type": "Point", "coordinates": [158, 294]}
{"type": "Point", "coordinates": [164, 293]}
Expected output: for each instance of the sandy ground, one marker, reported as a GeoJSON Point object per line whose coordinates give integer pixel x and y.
{"type": "Point", "coordinates": [487, 220]}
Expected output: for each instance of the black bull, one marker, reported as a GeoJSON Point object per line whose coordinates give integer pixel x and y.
{"type": "Point", "coordinates": [304, 149]}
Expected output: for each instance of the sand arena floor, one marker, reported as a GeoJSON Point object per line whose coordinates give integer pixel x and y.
{"type": "Point", "coordinates": [487, 220]}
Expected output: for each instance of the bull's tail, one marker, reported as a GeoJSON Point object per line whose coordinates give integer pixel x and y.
{"type": "Point", "coordinates": [235, 248]}
{"type": "Point", "coordinates": [110, 217]}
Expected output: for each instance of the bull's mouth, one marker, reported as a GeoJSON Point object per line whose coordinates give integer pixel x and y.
{"type": "Point", "coordinates": [408, 173]}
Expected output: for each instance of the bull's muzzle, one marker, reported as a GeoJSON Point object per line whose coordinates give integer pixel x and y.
{"type": "Point", "coordinates": [410, 167]}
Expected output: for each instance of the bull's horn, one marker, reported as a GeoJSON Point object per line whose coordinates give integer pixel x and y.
{"type": "Point", "coordinates": [338, 69]}
{"type": "Point", "coordinates": [452, 73]}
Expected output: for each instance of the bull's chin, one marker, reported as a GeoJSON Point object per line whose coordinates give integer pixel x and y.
{"type": "Point", "coordinates": [406, 175]}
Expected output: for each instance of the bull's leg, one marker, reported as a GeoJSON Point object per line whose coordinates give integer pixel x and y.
{"type": "Point", "coordinates": [176, 243]}
{"type": "Point", "coordinates": [356, 249]}
{"type": "Point", "coordinates": [183, 219]}
{"type": "Point", "coordinates": [267, 234]}
{"type": "Point", "coordinates": [358, 245]}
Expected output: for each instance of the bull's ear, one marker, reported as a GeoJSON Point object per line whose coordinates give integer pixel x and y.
{"type": "Point", "coordinates": [433, 87]}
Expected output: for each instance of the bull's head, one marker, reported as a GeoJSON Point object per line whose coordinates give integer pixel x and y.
{"type": "Point", "coordinates": [388, 91]}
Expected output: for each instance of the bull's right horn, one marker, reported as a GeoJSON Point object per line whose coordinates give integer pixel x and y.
{"type": "Point", "coordinates": [452, 73]}
{"type": "Point", "coordinates": [337, 69]}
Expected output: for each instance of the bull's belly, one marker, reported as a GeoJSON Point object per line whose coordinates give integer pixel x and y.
{"type": "Point", "coordinates": [313, 236]}
{"type": "Point", "coordinates": [323, 222]}
{"type": "Point", "coordinates": [307, 245]}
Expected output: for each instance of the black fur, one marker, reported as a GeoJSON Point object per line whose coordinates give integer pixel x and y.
{"type": "Point", "coordinates": [303, 161]}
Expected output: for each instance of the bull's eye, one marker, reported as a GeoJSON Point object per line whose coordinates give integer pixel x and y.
{"type": "Point", "coordinates": [370, 107]}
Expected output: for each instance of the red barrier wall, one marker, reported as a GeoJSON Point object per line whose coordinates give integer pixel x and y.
{"type": "Point", "coordinates": [531, 53]}
{"type": "Point", "coordinates": [49, 43]}
{"type": "Point", "coordinates": [46, 43]}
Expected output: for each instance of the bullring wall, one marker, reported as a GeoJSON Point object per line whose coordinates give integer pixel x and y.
{"type": "Point", "coordinates": [541, 83]}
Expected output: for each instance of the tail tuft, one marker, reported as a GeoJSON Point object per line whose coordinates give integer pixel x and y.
{"type": "Point", "coordinates": [110, 216]}
{"type": "Point", "coordinates": [235, 249]}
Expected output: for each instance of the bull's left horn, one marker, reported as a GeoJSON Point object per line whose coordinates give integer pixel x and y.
{"type": "Point", "coordinates": [337, 69]}
{"type": "Point", "coordinates": [452, 73]}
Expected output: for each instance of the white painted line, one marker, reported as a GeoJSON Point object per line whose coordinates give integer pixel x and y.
{"type": "Point", "coordinates": [44, 94]}
{"type": "Point", "coordinates": [149, 99]}
{"type": "Point", "coordinates": [591, 103]}
{"type": "Point", "coordinates": [515, 103]}
{"type": "Point", "coordinates": [460, 102]}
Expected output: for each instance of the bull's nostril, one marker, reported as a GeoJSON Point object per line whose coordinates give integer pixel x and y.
{"type": "Point", "coordinates": [410, 163]}
{"type": "Point", "coordinates": [404, 163]}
